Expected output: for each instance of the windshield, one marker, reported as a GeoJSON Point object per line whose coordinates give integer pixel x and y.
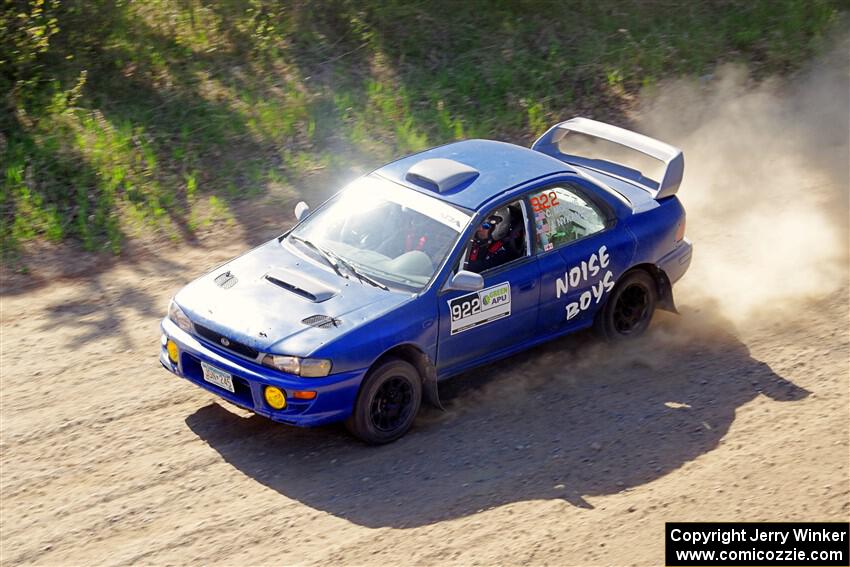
{"type": "Point", "coordinates": [386, 231]}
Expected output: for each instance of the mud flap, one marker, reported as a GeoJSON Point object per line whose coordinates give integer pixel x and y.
{"type": "Point", "coordinates": [665, 292]}
{"type": "Point", "coordinates": [430, 390]}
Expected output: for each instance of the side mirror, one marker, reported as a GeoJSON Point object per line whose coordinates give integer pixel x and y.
{"type": "Point", "coordinates": [465, 281]}
{"type": "Point", "coordinates": [302, 210]}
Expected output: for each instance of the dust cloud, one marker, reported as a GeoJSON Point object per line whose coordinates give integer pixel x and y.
{"type": "Point", "coordinates": [766, 193]}
{"type": "Point", "coordinates": [766, 183]}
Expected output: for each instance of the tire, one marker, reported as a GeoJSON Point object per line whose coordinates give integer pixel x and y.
{"type": "Point", "coordinates": [630, 307]}
{"type": "Point", "coordinates": [387, 403]}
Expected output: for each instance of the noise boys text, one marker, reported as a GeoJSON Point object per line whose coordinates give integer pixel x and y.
{"type": "Point", "coordinates": [584, 272]}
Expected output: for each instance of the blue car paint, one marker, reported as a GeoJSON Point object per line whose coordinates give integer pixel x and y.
{"type": "Point", "coordinates": [375, 321]}
{"type": "Point", "coordinates": [502, 168]}
{"type": "Point", "coordinates": [268, 318]}
{"type": "Point", "coordinates": [336, 393]}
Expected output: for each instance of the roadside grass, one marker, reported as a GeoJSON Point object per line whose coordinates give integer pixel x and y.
{"type": "Point", "coordinates": [124, 118]}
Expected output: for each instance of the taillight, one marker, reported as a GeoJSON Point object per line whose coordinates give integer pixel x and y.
{"type": "Point", "coordinates": [680, 230]}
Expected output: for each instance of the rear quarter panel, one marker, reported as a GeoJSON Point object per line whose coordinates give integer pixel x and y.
{"type": "Point", "coordinates": [655, 230]}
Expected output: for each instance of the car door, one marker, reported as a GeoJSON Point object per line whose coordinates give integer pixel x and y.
{"type": "Point", "coordinates": [581, 254]}
{"type": "Point", "coordinates": [475, 325]}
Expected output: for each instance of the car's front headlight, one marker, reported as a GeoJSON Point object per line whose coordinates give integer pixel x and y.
{"type": "Point", "coordinates": [180, 319]}
{"type": "Point", "coordinates": [306, 367]}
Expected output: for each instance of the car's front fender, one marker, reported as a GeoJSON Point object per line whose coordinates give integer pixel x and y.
{"type": "Point", "coordinates": [413, 323]}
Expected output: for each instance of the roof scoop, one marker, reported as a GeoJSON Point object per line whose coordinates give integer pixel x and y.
{"type": "Point", "coordinates": [302, 285]}
{"type": "Point", "coordinates": [441, 174]}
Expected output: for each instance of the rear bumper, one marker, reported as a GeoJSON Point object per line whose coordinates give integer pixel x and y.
{"type": "Point", "coordinates": [335, 394]}
{"type": "Point", "coordinates": [677, 262]}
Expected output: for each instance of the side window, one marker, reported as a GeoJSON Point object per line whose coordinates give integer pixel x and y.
{"type": "Point", "coordinates": [499, 239]}
{"type": "Point", "coordinates": [561, 216]}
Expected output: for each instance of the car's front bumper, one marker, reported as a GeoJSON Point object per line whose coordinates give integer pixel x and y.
{"type": "Point", "coordinates": [335, 394]}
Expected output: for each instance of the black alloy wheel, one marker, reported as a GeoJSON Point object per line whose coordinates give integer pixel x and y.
{"type": "Point", "coordinates": [630, 307]}
{"type": "Point", "coordinates": [387, 403]}
{"type": "Point", "coordinates": [392, 404]}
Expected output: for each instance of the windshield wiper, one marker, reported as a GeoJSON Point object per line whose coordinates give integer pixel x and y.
{"type": "Point", "coordinates": [335, 261]}
{"type": "Point", "coordinates": [326, 256]}
{"type": "Point", "coordinates": [360, 276]}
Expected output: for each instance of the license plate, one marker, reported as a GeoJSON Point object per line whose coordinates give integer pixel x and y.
{"type": "Point", "coordinates": [218, 377]}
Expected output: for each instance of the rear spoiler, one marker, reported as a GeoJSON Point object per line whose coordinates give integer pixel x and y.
{"type": "Point", "coordinates": [672, 158]}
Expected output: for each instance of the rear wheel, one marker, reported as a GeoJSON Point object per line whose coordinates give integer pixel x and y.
{"type": "Point", "coordinates": [387, 404]}
{"type": "Point", "coordinates": [630, 308]}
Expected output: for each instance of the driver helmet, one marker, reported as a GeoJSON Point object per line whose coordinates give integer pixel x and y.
{"type": "Point", "coordinates": [500, 223]}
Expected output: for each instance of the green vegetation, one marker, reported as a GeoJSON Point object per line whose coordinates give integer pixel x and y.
{"type": "Point", "coordinates": [121, 117]}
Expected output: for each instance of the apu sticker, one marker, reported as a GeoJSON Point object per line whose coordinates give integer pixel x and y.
{"type": "Point", "coordinates": [481, 307]}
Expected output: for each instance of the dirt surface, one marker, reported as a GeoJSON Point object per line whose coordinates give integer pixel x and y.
{"type": "Point", "coordinates": [574, 453]}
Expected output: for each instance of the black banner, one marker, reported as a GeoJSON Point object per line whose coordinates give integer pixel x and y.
{"type": "Point", "coordinates": [693, 544]}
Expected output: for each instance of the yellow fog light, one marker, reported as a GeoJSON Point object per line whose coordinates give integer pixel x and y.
{"type": "Point", "coordinates": [275, 397]}
{"type": "Point", "coordinates": [173, 353]}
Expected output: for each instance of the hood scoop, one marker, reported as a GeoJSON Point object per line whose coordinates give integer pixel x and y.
{"type": "Point", "coordinates": [299, 284]}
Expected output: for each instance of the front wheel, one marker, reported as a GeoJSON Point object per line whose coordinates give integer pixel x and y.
{"type": "Point", "coordinates": [630, 307]}
{"type": "Point", "coordinates": [387, 404]}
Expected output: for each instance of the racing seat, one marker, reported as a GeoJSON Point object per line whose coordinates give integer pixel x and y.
{"type": "Point", "coordinates": [515, 239]}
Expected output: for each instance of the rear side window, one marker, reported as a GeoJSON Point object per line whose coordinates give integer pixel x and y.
{"type": "Point", "coordinates": [561, 216]}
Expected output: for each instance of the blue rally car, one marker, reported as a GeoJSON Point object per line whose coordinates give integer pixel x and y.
{"type": "Point", "coordinates": [432, 265]}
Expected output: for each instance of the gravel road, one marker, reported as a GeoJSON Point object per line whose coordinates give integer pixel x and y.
{"type": "Point", "coordinates": [574, 453]}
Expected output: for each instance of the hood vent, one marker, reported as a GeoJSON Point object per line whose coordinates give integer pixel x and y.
{"type": "Point", "coordinates": [226, 280]}
{"type": "Point", "coordinates": [300, 284]}
{"type": "Point", "coordinates": [291, 287]}
{"type": "Point", "coordinates": [321, 321]}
